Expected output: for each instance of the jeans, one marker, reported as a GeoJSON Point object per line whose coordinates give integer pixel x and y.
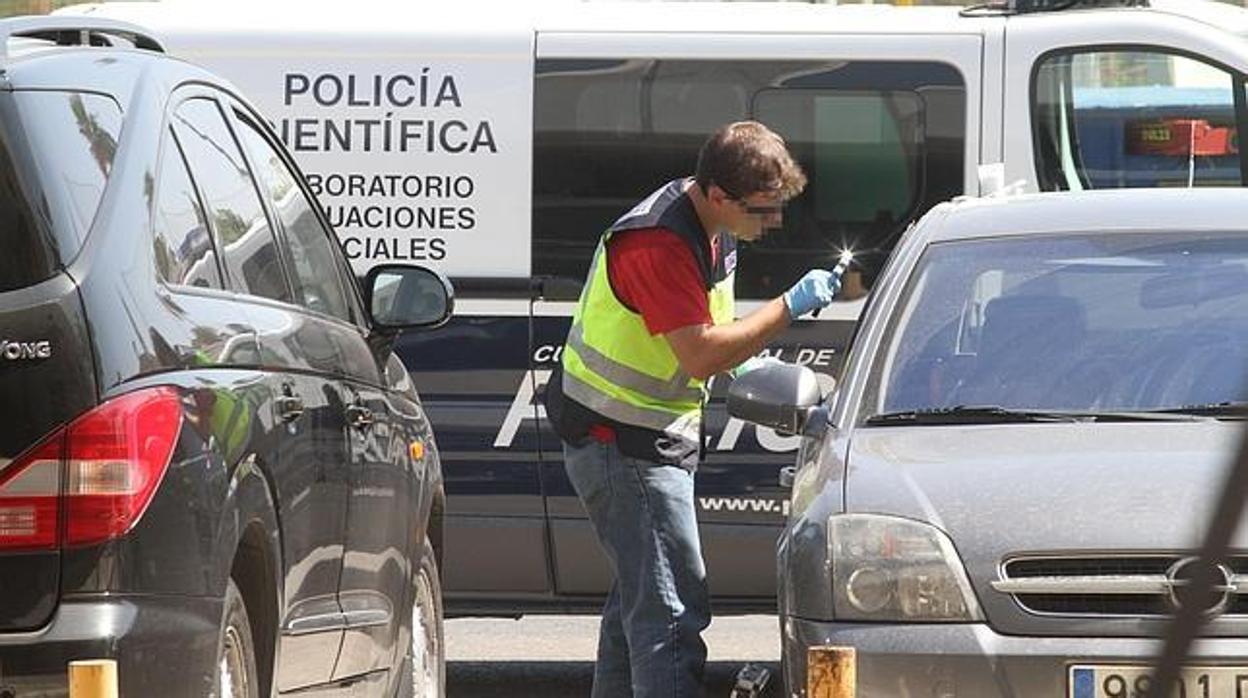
{"type": "Point", "coordinates": [650, 643]}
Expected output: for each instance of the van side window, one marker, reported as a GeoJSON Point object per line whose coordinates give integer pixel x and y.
{"type": "Point", "coordinates": [316, 271]}
{"type": "Point", "coordinates": [881, 142]}
{"type": "Point", "coordinates": [184, 251]}
{"type": "Point", "coordinates": [1114, 119]}
{"type": "Point", "coordinates": [238, 220]}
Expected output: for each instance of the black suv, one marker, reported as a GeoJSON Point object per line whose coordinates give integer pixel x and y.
{"type": "Point", "coordinates": [212, 468]}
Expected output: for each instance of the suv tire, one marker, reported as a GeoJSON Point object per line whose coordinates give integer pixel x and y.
{"type": "Point", "coordinates": [236, 650]}
{"type": "Point", "coordinates": [424, 667]}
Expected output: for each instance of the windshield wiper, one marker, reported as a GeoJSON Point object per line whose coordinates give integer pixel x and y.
{"type": "Point", "coordinates": [1229, 409]}
{"type": "Point", "coordinates": [970, 414]}
{"type": "Point", "coordinates": [994, 414]}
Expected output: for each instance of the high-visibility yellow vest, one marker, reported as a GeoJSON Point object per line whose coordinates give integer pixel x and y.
{"type": "Point", "coordinates": [612, 365]}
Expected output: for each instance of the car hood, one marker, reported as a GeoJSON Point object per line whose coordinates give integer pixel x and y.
{"type": "Point", "coordinates": [1045, 486]}
{"type": "Point", "coordinates": [1002, 491]}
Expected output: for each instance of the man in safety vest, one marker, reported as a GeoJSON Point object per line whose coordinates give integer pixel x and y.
{"type": "Point", "coordinates": [654, 322]}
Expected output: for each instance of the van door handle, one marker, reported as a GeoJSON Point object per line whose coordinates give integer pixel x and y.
{"type": "Point", "coordinates": [359, 416]}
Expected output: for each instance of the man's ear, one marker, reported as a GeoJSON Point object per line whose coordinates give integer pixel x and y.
{"type": "Point", "coordinates": [717, 196]}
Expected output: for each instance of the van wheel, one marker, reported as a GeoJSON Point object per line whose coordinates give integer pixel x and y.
{"type": "Point", "coordinates": [236, 650]}
{"type": "Point", "coordinates": [424, 667]}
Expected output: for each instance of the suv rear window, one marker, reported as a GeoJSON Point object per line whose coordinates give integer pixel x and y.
{"type": "Point", "coordinates": [56, 150]}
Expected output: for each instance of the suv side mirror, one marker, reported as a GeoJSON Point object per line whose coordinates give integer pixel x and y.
{"type": "Point", "coordinates": [779, 395]}
{"type": "Point", "coordinates": [402, 297]}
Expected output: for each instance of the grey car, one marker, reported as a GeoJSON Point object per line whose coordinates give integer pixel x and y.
{"type": "Point", "coordinates": [1002, 493]}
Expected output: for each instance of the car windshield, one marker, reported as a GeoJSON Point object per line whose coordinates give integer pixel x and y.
{"type": "Point", "coordinates": [1086, 323]}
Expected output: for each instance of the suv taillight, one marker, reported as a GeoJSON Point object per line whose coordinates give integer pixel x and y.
{"type": "Point", "coordinates": [102, 470]}
{"type": "Point", "coordinates": [29, 489]}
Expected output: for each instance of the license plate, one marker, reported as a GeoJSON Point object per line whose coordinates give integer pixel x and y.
{"type": "Point", "coordinates": [1110, 681]}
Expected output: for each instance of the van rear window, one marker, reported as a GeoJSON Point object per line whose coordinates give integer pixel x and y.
{"type": "Point", "coordinates": [56, 151]}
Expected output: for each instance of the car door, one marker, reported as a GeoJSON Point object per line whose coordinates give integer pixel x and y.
{"type": "Point", "coordinates": [879, 123]}
{"type": "Point", "coordinates": [307, 420]}
{"type": "Point", "coordinates": [381, 508]}
{"type": "Point", "coordinates": [476, 385]}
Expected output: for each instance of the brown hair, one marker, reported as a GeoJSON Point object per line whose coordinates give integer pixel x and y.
{"type": "Point", "coordinates": [746, 157]}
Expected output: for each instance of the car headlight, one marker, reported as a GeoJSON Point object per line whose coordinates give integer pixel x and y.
{"type": "Point", "coordinates": [886, 568]}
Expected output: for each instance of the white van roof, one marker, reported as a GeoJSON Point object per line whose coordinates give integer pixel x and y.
{"type": "Point", "coordinates": [485, 16]}
{"type": "Point", "coordinates": [1227, 17]}
{"type": "Point", "coordinates": [481, 17]}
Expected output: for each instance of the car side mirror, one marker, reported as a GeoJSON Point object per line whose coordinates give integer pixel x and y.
{"type": "Point", "coordinates": [779, 395]}
{"type": "Point", "coordinates": [404, 297]}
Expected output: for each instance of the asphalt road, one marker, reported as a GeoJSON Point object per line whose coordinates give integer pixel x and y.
{"type": "Point", "coordinates": [553, 656]}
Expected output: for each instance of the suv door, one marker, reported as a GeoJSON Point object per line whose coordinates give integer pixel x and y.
{"type": "Point", "coordinates": [878, 122]}
{"type": "Point", "coordinates": [382, 506]}
{"type": "Point", "coordinates": [307, 422]}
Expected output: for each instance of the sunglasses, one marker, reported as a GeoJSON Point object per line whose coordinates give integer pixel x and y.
{"type": "Point", "coordinates": [758, 210]}
{"type": "Point", "coordinates": [755, 209]}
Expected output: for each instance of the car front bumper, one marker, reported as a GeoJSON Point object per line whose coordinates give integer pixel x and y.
{"type": "Point", "coordinates": [945, 660]}
{"type": "Point", "coordinates": [163, 645]}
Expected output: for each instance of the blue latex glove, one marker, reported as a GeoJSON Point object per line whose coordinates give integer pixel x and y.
{"type": "Point", "coordinates": [812, 292]}
{"type": "Point", "coordinates": [753, 363]}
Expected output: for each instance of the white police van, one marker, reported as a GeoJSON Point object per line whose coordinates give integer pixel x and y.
{"type": "Point", "coordinates": [495, 142]}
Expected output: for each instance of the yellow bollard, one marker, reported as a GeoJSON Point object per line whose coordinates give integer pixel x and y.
{"type": "Point", "coordinates": [93, 678]}
{"type": "Point", "coordinates": [831, 672]}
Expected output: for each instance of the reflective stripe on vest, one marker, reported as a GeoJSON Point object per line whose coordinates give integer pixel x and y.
{"type": "Point", "coordinates": [615, 367]}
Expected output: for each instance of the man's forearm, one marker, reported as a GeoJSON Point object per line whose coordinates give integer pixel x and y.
{"type": "Point", "coordinates": [709, 349]}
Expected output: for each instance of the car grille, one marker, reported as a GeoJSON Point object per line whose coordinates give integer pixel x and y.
{"type": "Point", "coordinates": [1111, 585]}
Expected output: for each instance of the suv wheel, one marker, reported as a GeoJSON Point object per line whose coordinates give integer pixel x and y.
{"type": "Point", "coordinates": [424, 668]}
{"type": "Point", "coordinates": [236, 650]}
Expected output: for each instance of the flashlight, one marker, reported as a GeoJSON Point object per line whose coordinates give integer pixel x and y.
{"type": "Point", "coordinates": [842, 264]}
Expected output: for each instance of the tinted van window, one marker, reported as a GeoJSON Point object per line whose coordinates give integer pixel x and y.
{"type": "Point", "coordinates": [56, 151]}
{"type": "Point", "coordinates": [1114, 119]}
{"type": "Point", "coordinates": [880, 142]}
{"type": "Point", "coordinates": [185, 254]}
{"type": "Point", "coordinates": [242, 229]}
{"type": "Point", "coordinates": [316, 271]}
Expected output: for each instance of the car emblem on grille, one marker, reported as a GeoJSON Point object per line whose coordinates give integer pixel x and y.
{"type": "Point", "coordinates": [1179, 578]}
{"type": "Point", "coordinates": [25, 351]}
